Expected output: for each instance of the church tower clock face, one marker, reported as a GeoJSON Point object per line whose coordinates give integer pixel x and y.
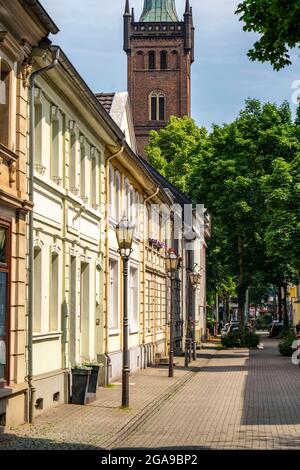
{"type": "Point", "coordinates": [160, 52]}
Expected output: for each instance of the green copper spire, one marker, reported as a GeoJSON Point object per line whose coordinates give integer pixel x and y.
{"type": "Point", "coordinates": [159, 10]}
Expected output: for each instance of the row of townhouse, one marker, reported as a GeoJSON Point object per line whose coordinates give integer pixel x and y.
{"type": "Point", "coordinates": [65, 307]}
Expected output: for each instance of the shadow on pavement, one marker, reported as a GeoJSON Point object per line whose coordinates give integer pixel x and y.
{"type": "Point", "coordinates": [272, 388]}
{"type": "Point", "coordinates": [9, 441]}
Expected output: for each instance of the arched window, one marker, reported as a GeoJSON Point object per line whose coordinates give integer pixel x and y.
{"type": "Point", "coordinates": [157, 106]}
{"type": "Point", "coordinates": [163, 60]}
{"type": "Point", "coordinates": [140, 60]}
{"type": "Point", "coordinates": [175, 60]}
{"type": "Point", "coordinates": [5, 84]}
{"type": "Point", "coordinates": [151, 59]}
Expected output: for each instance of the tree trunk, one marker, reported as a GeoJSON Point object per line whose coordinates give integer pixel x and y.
{"type": "Point", "coordinates": [274, 306]}
{"type": "Point", "coordinates": [285, 309]}
{"type": "Point", "coordinates": [241, 290]}
{"type": "Point", "coordinates": [227, 309]}
{"type": "Point", "coordinates": [279, 295]}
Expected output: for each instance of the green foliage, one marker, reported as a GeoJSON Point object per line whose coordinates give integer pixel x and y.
{"type": "Point", "coordinates": [247, 175]}
{"type": "Point", "coordinates": [264, 322]}
{"type": "Point", "coordinates": [245, 339]}
{"type": "Point", "coordinates": [285, 345]}
{"type": "Point", "coordinates": [176, 149]}
{"type": "Point", "coordinates": [277, 21]}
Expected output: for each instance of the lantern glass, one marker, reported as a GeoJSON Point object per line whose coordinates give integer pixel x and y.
{"type": "Point", "coordinates": [171, 262]}
{"type": "Point", "coordinates": [195, 279]}
{"type": "Point", "coordinates": [124, 233]}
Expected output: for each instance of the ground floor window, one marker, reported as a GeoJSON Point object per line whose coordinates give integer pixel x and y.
{"type": "Point", "coordinates": [4, 286]}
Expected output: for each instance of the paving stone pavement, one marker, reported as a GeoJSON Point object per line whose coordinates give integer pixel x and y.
{"type": "Point", "coordinates": [229, 399]}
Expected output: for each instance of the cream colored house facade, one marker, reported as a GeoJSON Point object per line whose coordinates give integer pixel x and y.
{"type": "Point", "coordinates": [22, 26]}
{"type": "Point", "coordinates": [73, 139]}
{"type": "Point", "coordinates": [131, 181]}
{"type": "Point", "coordinates": [86, 177]}
{"type": "Point", "coordinates": [132, 191]}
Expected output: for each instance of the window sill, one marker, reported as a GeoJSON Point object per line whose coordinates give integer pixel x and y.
{"type": "Point", "coordinates": [114, 332]}
{"type": "Point", "coordinates": [49, 335]}
{"type": "Point", "coordinates": [113, 222]}
{"type": "Point", "coordinates": [133, 330]}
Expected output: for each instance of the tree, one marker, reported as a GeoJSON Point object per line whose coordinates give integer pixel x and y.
{"type": "Point", "coordinates": [229, 181]}
{"type": "Point", "coordinates": [278, 23]}
{"type": "Point", "coordinates": [175, 150]}
{"type": "Point", "coordinates": [247, 175]}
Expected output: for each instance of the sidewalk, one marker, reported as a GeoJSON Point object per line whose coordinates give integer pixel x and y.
{"type": "Point", "coordinates": [102, 423]}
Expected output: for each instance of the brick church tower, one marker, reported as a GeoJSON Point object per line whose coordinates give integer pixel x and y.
{"type": "Point", "coordinates": [160, 51]}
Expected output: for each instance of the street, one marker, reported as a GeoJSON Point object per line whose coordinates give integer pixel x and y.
{"type": "Point", "coordinates": [228, 399]}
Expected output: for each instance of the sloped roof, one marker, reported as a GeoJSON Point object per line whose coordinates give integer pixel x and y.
{"type": "Point", "coordinates": [181, 198]}
{"type": "Point", "coordinates": [106, 99]}
{"type": "Point", "coordinates": [159, 10]}
{"type": "Point", "coordinates": [39, 11]}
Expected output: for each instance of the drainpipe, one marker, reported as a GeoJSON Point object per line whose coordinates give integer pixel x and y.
{"type": "Point", "coordinates": [106, 352]}
{"type": "Point", "coordinates": [144, 267]}
{"type": "Point", "coordinates": [31, 389]}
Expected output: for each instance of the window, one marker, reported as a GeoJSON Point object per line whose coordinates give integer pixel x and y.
{"type": "Point", "coordinates": [5, 91]}
{"type": "Point", "coordinates": [3, 245]}
{"type": "Point", "coordinates": [140, 60]}
{"type": "Point", "coordinates": [118, 195]}
{"type": "Point", "coordinates": [161, 108]}
{"type": "Point", "coordinates": [4, 289]}
{"type": "Point", "coordinates": [54, 293]}
{"type": "Point", "coordinates": [73, 309]}
{"type": "Point", "coordinates": [112, 206]}
{"type": "Point", "coordinates": [134, 296]}
{"type": "Point", "coordinates": [131, 205]}
{"type": "Point", "coordinates": [94, 178]}
{"type": "Point", "coordinates": [113, 294]}
{"type": "Point", "coordinates": [175, 60]}
{"type": "Point", "coordinates": [163, 60]}
{"type": "Point", "coordinates": [82, 168]}
{"type": "Point", "coordinates": [55, 145]}
{"type": "Point", "coordinates": [155, 222]}
{"type": "Point", "coordinates": [151, 59]}
{"type": "Point", "coordinates": [38, 109]}
{"type": "Point", "coordinates": [126, 204]}
{"type": "Point", "coordinates": [73, 163]}
{"type": "Point", "coordinates": [157, 106]}
{"type": "Point", "coordinates": [137, 212]}
{"type": "Point", "coordinates": [37, 326]}
{"type": "Point", "coordinates": [147, 222]}
{"type": "Point", "coordinates": [150, 302]}
{"type": "Point", "coordinates": [84, 309]}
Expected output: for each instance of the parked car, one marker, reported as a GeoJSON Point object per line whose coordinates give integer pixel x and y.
{"type": "Point", "coordinates": [276, 328]}
{"type": "Point", "coordinates": [234, 327]}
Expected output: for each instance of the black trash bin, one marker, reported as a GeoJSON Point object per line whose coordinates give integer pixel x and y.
{"type": "Point", "coordinates": [80, 384]}
{"type": "Point", "coordinates": [93, 382]}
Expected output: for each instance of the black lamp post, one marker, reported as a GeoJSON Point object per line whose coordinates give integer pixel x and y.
{"type": "Point", "coordinates": [171, 268]}
{"type": "Point", "coordinates": [195, 279]}
{"type": "Point", "coordinates": [124, 233]}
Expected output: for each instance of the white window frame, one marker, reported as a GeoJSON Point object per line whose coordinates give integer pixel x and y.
{"type": "Point", "coordinates": [114, 313]}
{"type": "Point", "coordinates": [134, 292]}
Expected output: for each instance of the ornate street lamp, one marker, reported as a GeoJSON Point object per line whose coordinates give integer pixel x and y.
{"type": "Point", "coordinates": [124, 233]}
{"type": "Point", "coordinates": [195, 280]}
{"type": "Point", "coordinates": [171, 268]}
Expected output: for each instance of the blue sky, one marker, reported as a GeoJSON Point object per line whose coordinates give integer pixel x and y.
{"type": "Point", "coordinates": [222, 76]}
